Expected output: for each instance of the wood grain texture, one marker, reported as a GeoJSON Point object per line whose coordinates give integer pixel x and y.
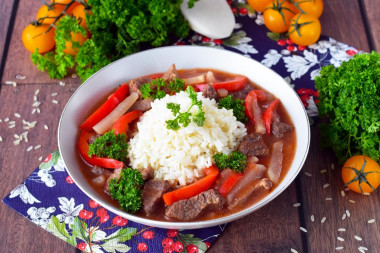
{"type": "Point", "coordinates": [372, 13]}
{"type": "Point", "coordinates": [5, 16]}
{"type": "Point", "coordinates": [14, 169]}
{"type": "Point", "coordinates": [18, 59]}
{"type": "Point", "coordinates": [342, 21]}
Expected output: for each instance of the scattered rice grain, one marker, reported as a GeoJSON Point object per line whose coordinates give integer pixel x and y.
{"type": "Point", "coordinates": [54, 94]}
{"type": "Point", "coordinates": [342, 193]}
{"type": "Point", "coordinates": [348, 213]}
{"type": "Point", "coordinates": [1, 120]}
{"type": "Point", "coordinates": [38, 110]}
{"type": "Point", "coordinates": [308, 174]}
{"type": "Point", "coordinates": [326, 185]}
{"type": "Point", "coordinates": [328, 198]}
{"type": "Point", "coordinates": [34, 111]}
{"type": "Point", "coordinates": [352, 201]}
{"type": "Point", "coordinates": [312, 218]}
{"type": "Point", "coordinates": [36, 104]}
{"type": "Point", "coordinates": [62, 83]}
{"type": "Point", "coordinates": [29, 148]}
{"type": "Point", "coordinates": [16, 142]}
{"type": "Point", "coordinates": [340, 239]}
{"type": "Point", "coordinates": [341, 229]}
{"type": "Point", "coordinates": [36, 92]}
{"type": "Point", "coordinates": [293, 250]}
{"type": "Point", "coordinates": [323, 220]}
{"type": "Point", "coordinates": [323, 171]}
{"type": "Point", "coordinates": [17, 115]}
{"type": "Point", "coordinates": [11, 126]}
{"type": "Point", "coordinates": [358, 238]}
{"type": "Point", "coordinates": [37, 147]}
{"type": "Point", "coordinates": [303, 229]}
{"type": "Point", "coordinates": [339, 248]}
{"type": "Point", "coordinates": [12, 122]}
{"type": "Point", "coordinates": [297, 204]}
{"type": "Point", "coordinates": [344, 216]}
{"type": "Point", "coordinates": [363, 248]}
{"type": "Point", "coordinates": [14, 84]}
{"type": "Point", "coordinates": [1, 139]}
{"type": "Point", "coordinates": [20, 77]}
{"type": "Point", "coordinates": [366, 193]}
{"type": "Point", "coordinates": [6, 119]}
{"type": "Point", "coordinates": [40, 158]}
{"type": "Point", "coordinates": [16, 136]}
{"type": "Point", "coordinates": [371, 221]}
{"type": "Point", "coordinates": [54, 101]}
{"type": "Point", "coordinates": [46, 127]}
{"type": "Point", "coordinates": [332, 166]}
{"type": "Point", "coordinates": [34, 98]}
{"type": "Point", "coordinates": [346, 189]}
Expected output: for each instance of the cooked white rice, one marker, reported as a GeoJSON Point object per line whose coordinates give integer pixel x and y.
{"type": "Point", "coordinates": [181, 156]}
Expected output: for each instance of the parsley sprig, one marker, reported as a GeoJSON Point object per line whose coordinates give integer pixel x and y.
{"type": "Point", "coordinates": [184, 118]}
{"type": "Point", "coordinates": [235, 161]}
{"type": "Point", "coordinates": [110, 145]}
{"type": "Point", "coordinates": [155, 89]}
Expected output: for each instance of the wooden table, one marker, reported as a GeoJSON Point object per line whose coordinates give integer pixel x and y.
{"type": "Point", "coordinates": [274, 228]}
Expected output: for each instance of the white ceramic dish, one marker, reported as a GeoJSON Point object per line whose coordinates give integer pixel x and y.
{"type": "Point", "coordinates": [158, 60]}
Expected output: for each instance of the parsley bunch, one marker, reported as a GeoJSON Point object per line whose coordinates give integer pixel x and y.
{"type": "Point", "coordinates": [349, 103]}
{"type": "Point", "coordinates": [155, 89]}
{"type": "Point", "coordinates": [110, 145]}
{"type": "Point", "coordinates": [184, 117]}
{"type": "Point", "coordinates": [236, 105]}
{"type": "Point", "coordinates": [235, 161]}
{"type": "Point", "coordinates": [127, 191]}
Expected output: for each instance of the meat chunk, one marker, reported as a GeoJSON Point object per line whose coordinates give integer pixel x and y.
{"type": "Point", "coordinates": [241, 94]}
{"type": "Point", "coordinates": [191, 208]}
{"type": "Point", "coordinates": [152, 194]}
{"type": "Point", "coordinates": [147, 173]}
{"type": "Point", "coordinates": [279, 128]}
{"type": "Point", "coordinates": [210, 92]}
{"type": "Point", "coordinates": [116, 174]}
{"type": "Point", "coordinates": [170, 74]}
{"type": "Point", "coordinates": [253, 145]}
{"type": "Point", "coordinates": [275, 163]}
{"type": "Point", "coordinates": [135, 85]}
{"type": "Point", "coordinates": [141, 105]}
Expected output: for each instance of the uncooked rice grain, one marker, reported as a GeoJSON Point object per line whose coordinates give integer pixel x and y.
{"type": "Point", "coordinates": [6, 119]}
{"type": "Point", "coordinates": [344, 216]}
{"type": "Point", "coordinates": [293, 250]}
{"type": "Point", "coordinates": [352, 201]}
{"type": "Point", "coordinates": [363, 248]}
{"type": "Point", "coordinates": [332, 166]}
{"type": "Point", "coordinates": [46, 127]}
{"type": "Point", "coordinates": [342, 193]}
{"type": "Point", "coordinates": [17, 115]}
{"type": "Point", "coordinates": [308, 174]}
{"type": "Point", "coordinates": [54, 94]}
{"type": "Point", "coordinates": [323, 220]}
{"type": "Point", "coordinates": [54, 101]}
{"type": "Point", "coordinates": [40, 158]}
{"type": "Point", "coordinates": [371, 221]}
{"type": "Point", "coordinates": [326, 185]}
{"type": "Point", "coordinates": [366, 193]}
{"type": "Point", "coordinates": [339, 248]}
{"type": "Point", "coordinates": [36, 92]}
{"type": "Point", "coordinates": [341, 229]}
{"type": "Point", "coordinates": [328, 198]}
{"type": "Point", "coordinates": [348, 213]}
{"type": "Point", "coordinates": [358, 238]}
{"type": "Point", "coordinates": [340, 239]}
{"type": "Point", "coordinates": [303, 229]}
{"type": "Point", "coordinates": [323, 171]}
{"type": "Point", "coordinates": [16, 142]}
{"type": "Point", "coordinates": [297, 204]}
{"type": "Point", "coordinates": [312, 218]}
{"type": "Point", "coordinates": [37, 147]}
{"type": "Point", "coordinates": [29, 148]}
{"type": "Point", "coordinates": [1, 138]}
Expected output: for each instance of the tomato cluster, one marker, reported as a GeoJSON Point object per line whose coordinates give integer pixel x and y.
{"type": "Point", "coordinates": [39, 35]}
{"type": "Point", "coordinates": [298, 19]}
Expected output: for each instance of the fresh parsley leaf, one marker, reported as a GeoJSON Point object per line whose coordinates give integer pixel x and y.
{"type": "Point", "coordinates": [156, 88]}
{"type": "Point", "coordinates": [235, 161]}
{"type": "Point", "coordinates": [110, 145]}
{"type": "Point", "coordinates": [349, 103]}
{"type": "Point", "coordinates": [185, 118]}
{"type": "Point", "coordinates": [236, 105]}
{"type": "Point", "coordinates": [127, 190]}
{"type": "Point", "coordinates": [146, 90]}
{"type": "Point", "coordinates": [177, 85]}
{"type": "Point", "coordinates": [191, 3]}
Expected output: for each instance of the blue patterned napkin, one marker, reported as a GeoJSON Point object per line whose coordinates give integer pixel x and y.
{"type": "Point", "coordinates": [49, 198]}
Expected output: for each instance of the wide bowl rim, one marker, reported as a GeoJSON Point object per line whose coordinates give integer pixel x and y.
{"type": "Point", "coordinates": [174, 224]}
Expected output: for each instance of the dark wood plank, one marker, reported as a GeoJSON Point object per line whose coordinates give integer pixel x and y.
{"type": "Point", "coordinates": [342, 21]}
{"type": "Point", "coordinates": [18, 60]}
{"type": "Point", "coordinates": [372, 12]}
{"type": "Point", "coordinates": [15, 169]}
{"type": "Point", "coordinates": [5, 17]}
{"type": "Point", "coordinates": [273, 228]}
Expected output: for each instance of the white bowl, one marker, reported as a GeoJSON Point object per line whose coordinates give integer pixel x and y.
{"type": "Point", "coordinates": [159, 60]}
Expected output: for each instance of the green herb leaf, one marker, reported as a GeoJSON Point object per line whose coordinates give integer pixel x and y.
{"type": "Point", "coordinates": [235, 161]}
{"type": "Point", "coordinates": [236, 105]}
{"type": "Point", "coordinates": [110, 145]}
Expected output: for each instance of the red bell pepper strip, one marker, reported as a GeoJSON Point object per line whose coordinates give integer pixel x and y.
{"type": "Point", "coordinates": [121, 125]}
{"type": "Point", "coordinates": [111, 103]}
{"type": "Point", "coordinates": [259, 95]}
{"type": "Point", "coordinates": [200, 87]}
{"type": "Point", "coordinates": [193, 189]}
{"type": "Point", "coordinates": [235, 84]}
{"type": "Point", "coordinates": [268, 115]}
{"type": "Point", "coordinates": [83, 147]}
{"type": "Point", "coordinates": [229, 183]}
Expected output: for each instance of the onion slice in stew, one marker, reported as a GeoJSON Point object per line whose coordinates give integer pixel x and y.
{"type": "Point", "coordinates": [106, 124]}
{"type": "Point", "coordinates": [275, 163]}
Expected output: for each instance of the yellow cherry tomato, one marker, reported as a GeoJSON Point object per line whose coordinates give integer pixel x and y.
{"type": "Point", "coordinates": [76, 37]}
{"type": "Point", "coordinates": [79, 12]}
{"type": "Point", "coordinates": [310, 7]}
{"type": "Point", "coordinates": [277, 15]}
{"type": "Point", "coordinates": [34, 37]}
{"type": "Point", "coordinates": [361, 174]}
{"type": "Point", "coordinates": [48, 15]}
{"type": "Point", "coordinates": [304, 30]}
{"type": "Point", "coordinates": [258, 5]}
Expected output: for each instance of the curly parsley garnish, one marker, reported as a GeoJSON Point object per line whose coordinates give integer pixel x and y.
{"type": "Point", "coordinates": [235, 161]}
{"type": "Point", "coordinates": [110, 145]}
{"type": "Point", "coordinates": [183, 118]}
{"type": "Point", "coordinates": [236, 105]}
{"type": "Point", "coordinates": [155, 89]}
{"type": "Point", "coordinates": [127, 191]}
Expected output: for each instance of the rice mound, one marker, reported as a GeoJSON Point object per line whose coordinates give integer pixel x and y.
{"type": "Point", "coordinates": [181, 156]}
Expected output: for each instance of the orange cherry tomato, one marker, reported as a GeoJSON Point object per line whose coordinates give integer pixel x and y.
{"type": "Point", "coordinates": [34, 37]}
{"type": "Point", "coordinates": [76, 37]}
{"type": "Point", "coordinates": [258, 5]}
{"type": "Point", "coordinates": [304, 30]}
{"type": "Point", "coordinates": [79, 12]}
{"type": "Point", "coordinates": [277, 15]}
{"type": "Point", "coordinates": [361, 174]}
{"type": "Point", "coordinates": [310, 7]}
{"type": "Point", "coordinates": [48, 15]}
